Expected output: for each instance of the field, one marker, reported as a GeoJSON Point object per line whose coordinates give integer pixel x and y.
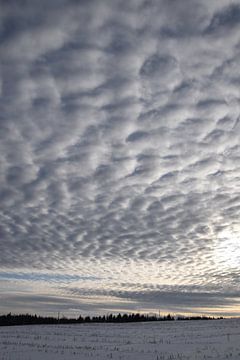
{"type": "Point", "coordinates": [216, 339]}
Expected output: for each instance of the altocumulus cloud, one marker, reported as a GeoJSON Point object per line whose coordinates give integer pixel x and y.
{"type": "Point", "coordinates": [119, 155]}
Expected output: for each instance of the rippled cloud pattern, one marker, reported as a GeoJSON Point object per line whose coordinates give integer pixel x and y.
{"type": "Point", "coordinates": [120, 156]}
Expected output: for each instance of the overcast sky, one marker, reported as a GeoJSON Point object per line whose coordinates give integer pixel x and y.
{"type": "Point", "coordinates": [120, 156]}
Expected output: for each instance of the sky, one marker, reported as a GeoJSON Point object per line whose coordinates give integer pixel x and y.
{"type": "Point", "coordinates": [120, 156]}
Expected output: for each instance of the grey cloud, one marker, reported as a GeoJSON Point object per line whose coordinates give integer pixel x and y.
{"type": "Point", "coordinates": [225, 19]}
{"type": "Point", "coordinates": [155, 65]}
{"type": "Point", "coordinates": [137, 135]}
{"type": "Point", "coordinates": [175, 300]}
{"type": "Point", "coordinates": [119, 139]}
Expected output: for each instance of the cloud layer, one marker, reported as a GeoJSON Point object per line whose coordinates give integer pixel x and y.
{"type": "Point", "coordinates": [119, 150]}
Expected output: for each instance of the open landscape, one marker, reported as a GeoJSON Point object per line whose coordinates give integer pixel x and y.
{"type": "Point", "coordinates": [216, 339]}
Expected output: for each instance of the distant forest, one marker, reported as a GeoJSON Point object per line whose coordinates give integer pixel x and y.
{"type": "Point", "coordinates": [27, 319]}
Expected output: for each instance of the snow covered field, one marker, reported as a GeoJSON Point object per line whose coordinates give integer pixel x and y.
{"type": "Point", "coordinates": [217, 339]}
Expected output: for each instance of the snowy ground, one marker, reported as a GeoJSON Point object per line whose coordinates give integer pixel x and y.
{"type": "Point", "coordinates": [218, 339]}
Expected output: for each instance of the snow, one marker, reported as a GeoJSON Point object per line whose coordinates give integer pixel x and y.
{"type": "Point", "coordinates": [216, 339]}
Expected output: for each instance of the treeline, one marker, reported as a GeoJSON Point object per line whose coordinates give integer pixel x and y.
{"type": "Point", "coordinates": [27, 319]}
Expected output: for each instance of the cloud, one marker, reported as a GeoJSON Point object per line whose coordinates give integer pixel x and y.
{"type": "Point", "coordinates": [119, 152]}
{"type": "Point", "coordinates": [225, 19]}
